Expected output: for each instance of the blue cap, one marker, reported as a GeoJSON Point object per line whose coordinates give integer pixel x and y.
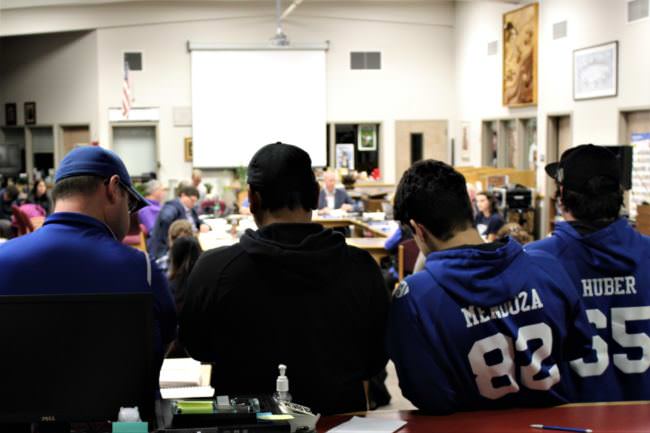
{"type": "Point", "coordinates": [96, 161]}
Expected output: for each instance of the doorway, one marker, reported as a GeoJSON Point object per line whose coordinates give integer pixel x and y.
{"type": "Point", "coordinates": [559, 137]}
{"type": "Point", "coordinates": [72, 136]}
{"type": "Point", "coordinates": [427, 137]}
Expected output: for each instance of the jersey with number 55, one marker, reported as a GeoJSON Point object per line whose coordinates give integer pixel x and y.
{"type": "Point", "coordinates": [485, 327]}
{"type": "Point", "coordinates": [610, 269]}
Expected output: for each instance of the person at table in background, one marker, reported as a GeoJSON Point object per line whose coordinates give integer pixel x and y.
{"type": "Point", "coordinates": [289, 293]}
{"type": "Point", "coordinates": [79, 248]}
{"type": "Point", "coordinates": [487, 220]}
{"type": "Point", "coordinates": [484, 326]}
{"type": "Point", "coordinates": [178, 229]}
{"type": "Point", "coordinates": [197, 182]}
{"type": "Point", "coordinates": [183, 254]}
{"type": "Point", "coordinates": [39, 196]}
{"type": "Point", "coordinates": [514, 231]}
{"type": "Point", "coordinates": [180, 208]}
{"type": "Point", "coordinates": [607, 261]}
{"type": "Point", "coordinates": [155, 194]}
{"type": "Point", "coordinates": [331, 198]}
{"type": "Point", "coordinates": [8, 197]}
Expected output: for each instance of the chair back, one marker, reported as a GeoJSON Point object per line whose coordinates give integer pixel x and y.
{"type": "Point", "coordinates": [21, 221]}
{"type": "Point", "coordinates": [407, 255]}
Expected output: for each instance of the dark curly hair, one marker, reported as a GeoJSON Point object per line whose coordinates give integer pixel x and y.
{"type": "Point", "coordinates": [433, 194]}
{"type": "Point", "coordinates": [601, 200]}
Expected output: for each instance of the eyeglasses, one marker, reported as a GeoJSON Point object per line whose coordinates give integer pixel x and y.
{"type": "Point", "coordinates": [132, 201]}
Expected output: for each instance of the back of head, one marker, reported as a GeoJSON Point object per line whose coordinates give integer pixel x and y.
{"type": "Point", "coordinates": [183, 256]}
{"type": "Point", "coordinates": [435, 195]}
{"type": "Point", "coordinates": [152, 186]}
{"type": "Point", "coordinates": [590, 182]}
{"type": "Point", "coordinates": [283, 177]}
{"type": "Point", "coordinates": [179, 228]}
{"type": "Point", "coordinates": [12, 192]}
{"type": "Point", "coordinates": [514, 231]}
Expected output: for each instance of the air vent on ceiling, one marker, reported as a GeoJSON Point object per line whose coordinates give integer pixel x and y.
{"type": "Point", "coordinates": [560, 30]}
{"type": "Point", "coordinates": [637, 10]}
{"type": "Point", "coordinates": [365, 60]}
{"type": "Point", "coordinates": [492, 48]}
{"type": "Point", "coordinates": [134, 60]}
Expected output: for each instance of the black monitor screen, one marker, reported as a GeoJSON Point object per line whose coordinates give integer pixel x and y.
{"type": "Point", "coordinates": [624, 155]}
{"type": "Point", "coordinates": [75, 358]}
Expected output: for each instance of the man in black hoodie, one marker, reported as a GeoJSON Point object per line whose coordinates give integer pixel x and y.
{"type": "Point", "coordinates": [289, 293]}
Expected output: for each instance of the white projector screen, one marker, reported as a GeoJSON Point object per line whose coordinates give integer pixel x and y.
{"type": "Point", "coordinates": [242, 100]}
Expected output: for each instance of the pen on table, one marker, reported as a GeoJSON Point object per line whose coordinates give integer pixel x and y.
{"type": "Point", "coordinates": [557, 427]}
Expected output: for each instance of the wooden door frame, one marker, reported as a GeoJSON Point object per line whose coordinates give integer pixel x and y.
{"type": "Point", "coordinates": [58, 139]}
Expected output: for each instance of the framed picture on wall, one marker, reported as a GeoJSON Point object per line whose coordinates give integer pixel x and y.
{"type": "Point", "coordinates": [595, 71]}
{"type": "Point", "coordinates": [367, 140]}
{"type": "Point", "coordinates": [10, 114]}
{"type": "Point", "coordinates": [30, 113]}
{"type": "Point", "coordinates": [345, 156]}
{"type": "Point", "coordinates": [189, 155]}
{"type": "Point", "coordinates": [520, 34]}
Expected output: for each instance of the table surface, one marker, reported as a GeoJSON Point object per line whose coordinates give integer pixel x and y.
{"type": "Point", "coordinates": [367, 243]}
{"type": "Point", "coordinates": [623, 417]}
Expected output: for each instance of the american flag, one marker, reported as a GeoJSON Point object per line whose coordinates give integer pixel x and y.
{"type": "Point", "coordinates": [126, 92]}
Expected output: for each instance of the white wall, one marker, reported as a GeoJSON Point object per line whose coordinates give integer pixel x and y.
{"type": "Point", "coordinates": [590, 22]}
{"type": "Point", "coordinates": [58, 72]}
{"type": "Point", "coordinates": [416, 80]}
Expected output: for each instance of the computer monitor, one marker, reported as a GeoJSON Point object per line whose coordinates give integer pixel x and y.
{"type": "Point", "coordinates": [75, 358]}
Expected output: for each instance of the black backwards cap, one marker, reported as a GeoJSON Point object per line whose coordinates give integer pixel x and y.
{"type": "Point", "coordinates": [580, 164]}
{"type": "Point", "coordinates": [281, 166]}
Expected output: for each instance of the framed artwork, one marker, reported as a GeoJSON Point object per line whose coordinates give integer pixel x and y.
{"type": "Point", "coordinates": [10, 114]}
{"type": "Point", "coordinates": [30, 113]}
{"type": "Point", "coordinates": [367, 140]}
{"type": "Point", "coordinates": [189, 155]}
{"type": "Point", "coordinates": [520, 34]}
{"type": "Point", "coordinates": [345, 156]}
{"type": "Point", "coordinates": [595, 71]}
{"type": "Point", "coordinates": [465, 152]}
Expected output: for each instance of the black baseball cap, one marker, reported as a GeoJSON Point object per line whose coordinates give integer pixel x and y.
{"type": "Point", "coordinates": [581, 163]}
{"type": "Point", "coordinates": [281, 166]}
{"type": "Point", "coordinates": [97, 161]}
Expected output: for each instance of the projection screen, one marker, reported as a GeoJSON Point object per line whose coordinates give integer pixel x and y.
{"type": "Point", "coordinates": [244, 99]}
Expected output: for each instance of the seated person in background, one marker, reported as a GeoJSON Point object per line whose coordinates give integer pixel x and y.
{"type": "Point", "coordinates": [607, 261]}
{"type": "Point", "coordinates": [40, 197]}
{"type": "Point", "coordinates": [181, 208]}
{"type": "Point", "coordinates": [156, 193]}
{"type": "Point", "coordinates": [331, 198]}
{"type": "Point", "coordinates": [514, 231]}
{"type": "Point", "coordinates": [8, 197]}
{"type": "Point", "coordinates": [178, 229]}
{"type": "Point", "coordinates": [289, 293]}
{"type": "Point", "coordinates": [197, 178]}
{"type": "Point", "coordinates": [487, 220]}
{"type": "Point", "coordinates": [484, 326]}
{"type": "Point", "coordinates": [183, 254]}
{"type": "Point", "coordinates": [78, 249]}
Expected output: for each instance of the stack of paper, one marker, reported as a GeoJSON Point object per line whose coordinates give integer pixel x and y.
{"type": "Point", "coordinates": [368, 425]}
{"type": "Point", "coordinates": [181, 378]}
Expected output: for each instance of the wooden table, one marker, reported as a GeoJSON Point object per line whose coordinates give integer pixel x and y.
{"type": "Point", "coordinates": [359, 225]}
{"type": "Point", "coordinates": [619, 417]}
{"type": "Point", "coordinates": [375, 246]}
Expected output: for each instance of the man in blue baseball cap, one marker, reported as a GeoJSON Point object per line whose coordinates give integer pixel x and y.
{"type": "Point", "coordinates": [78, 249]}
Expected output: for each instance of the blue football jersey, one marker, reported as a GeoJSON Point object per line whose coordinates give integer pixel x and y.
{"type": "Point", "coordinates": [486, 327]}
{"type": "Point", "coordinates": [610, 269]}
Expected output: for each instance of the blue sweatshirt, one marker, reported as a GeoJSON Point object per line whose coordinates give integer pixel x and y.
{"type": "Point", "coordinates": [76, 254]}
{"type": "Point", "coordinates": [610, 269]}
{"type": "Point", "coordinates": [484, 328]}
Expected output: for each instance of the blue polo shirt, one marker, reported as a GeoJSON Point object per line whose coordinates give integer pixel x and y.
{"type": "Point", "coordinates": [77, 254]}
